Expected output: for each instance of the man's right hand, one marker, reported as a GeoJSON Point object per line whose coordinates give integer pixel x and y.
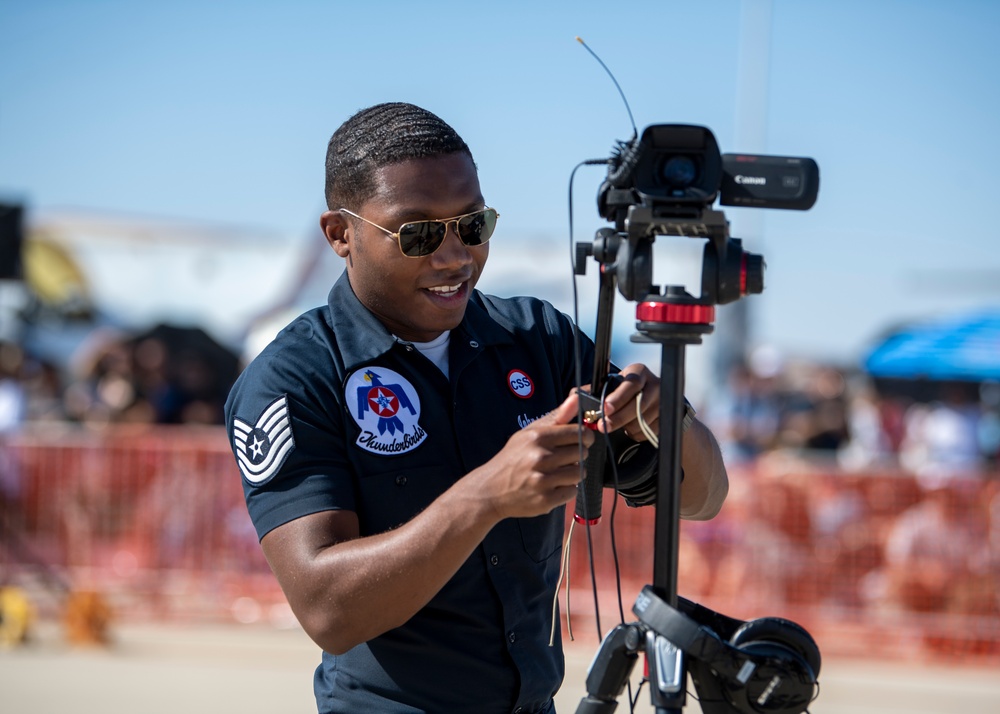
{"type": "Point", "coordinates": [539, 468]}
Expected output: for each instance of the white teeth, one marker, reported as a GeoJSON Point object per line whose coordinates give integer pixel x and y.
{"type": "Point", "coordinates": [445, 289]}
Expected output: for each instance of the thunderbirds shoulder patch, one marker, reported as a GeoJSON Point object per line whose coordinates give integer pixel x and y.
{"type": "Point", "coordinates": [262, 448]}
{"type": "Point", "coordinates": [386, 407]}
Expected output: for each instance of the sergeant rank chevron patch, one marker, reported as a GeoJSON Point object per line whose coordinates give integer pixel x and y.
{"type": "Point", "coordinates": [262, 448]}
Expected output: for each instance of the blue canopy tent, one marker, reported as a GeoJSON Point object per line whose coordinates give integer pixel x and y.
{"type": "Point", "coordinates": [963, 348]}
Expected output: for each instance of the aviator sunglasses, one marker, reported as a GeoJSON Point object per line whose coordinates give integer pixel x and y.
{"type": "Point", "coordinates": [419, 238]}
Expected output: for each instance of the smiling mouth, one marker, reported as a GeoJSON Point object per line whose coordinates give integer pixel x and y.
{"type": "Point", "coordinates": [446, 290]}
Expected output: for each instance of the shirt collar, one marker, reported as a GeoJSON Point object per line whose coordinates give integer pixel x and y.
{"type": "Point", "coordinates": [363, 338]}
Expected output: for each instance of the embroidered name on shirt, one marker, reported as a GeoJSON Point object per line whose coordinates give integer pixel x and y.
{"type": "Point", "coordinates": [523, 420]}
{"type": "Point", "coordinates": [369, 441]}
{"type": "Point", "coordinates": [386, 407]}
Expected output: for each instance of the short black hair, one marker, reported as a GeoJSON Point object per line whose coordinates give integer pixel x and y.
{"type": "Point", "coordinates": [379, 136]}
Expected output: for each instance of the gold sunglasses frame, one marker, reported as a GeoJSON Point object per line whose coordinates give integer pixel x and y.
{"type": "Point", "coordinates": [447, 224]}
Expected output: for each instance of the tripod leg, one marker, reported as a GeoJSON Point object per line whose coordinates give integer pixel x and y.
{"type": "Point", "coordinates": [610, 670]}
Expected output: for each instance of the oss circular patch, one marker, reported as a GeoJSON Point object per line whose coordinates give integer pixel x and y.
{"type": "Point", "coordinates": [520, 383]}
{"type": "Point", "coordinates": [386, 407]}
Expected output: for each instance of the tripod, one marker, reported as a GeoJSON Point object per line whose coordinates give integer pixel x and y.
{"type": "Point", "coordinates": [765, 666]}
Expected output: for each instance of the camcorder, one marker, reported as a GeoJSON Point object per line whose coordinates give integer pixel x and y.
{"type": "Point", "coordinates": [666, 182]}
{"type": "Point", "coordinates": [678, 168]}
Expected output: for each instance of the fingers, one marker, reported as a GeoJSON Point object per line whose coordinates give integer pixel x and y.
{"type": "Point", "coordinates": [520, 488]}
{"type": "Point", "coordinates": [620, 405]}
{"type": "Point", "coordinates": [565, 413]}
{"type": "Point", "coordinates": [635, 378]}
{"type": "Point", "coordinates": [560, 427]}
{"type": "Point", "coordinates": [539, 468]}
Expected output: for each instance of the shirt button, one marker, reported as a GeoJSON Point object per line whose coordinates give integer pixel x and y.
{"type": "Point", "coordinates": [495, 560]}
{"type": "Point", "coordinates": [511, 637]}
{"type": "Point", "coordinates": [473, 344]}
{"type": "Point", "coordinates": [519, 710]}
{"type": "Point", "coordinates": [401, 480]}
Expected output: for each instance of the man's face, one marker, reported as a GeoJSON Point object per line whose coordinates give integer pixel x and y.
{"type": "Point", "coordinates": [417, 299]}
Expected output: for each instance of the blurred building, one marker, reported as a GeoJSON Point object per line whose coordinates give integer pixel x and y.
{"type": "Point", "coordinates": [85, 268]}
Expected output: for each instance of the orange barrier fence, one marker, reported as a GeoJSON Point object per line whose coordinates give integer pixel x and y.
{"type": "Point", "coordinates": [871, 563]}
{"type": "Point", "coordinates": [152, 518]}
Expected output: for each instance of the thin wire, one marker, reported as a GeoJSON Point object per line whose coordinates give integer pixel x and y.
{"type": "Point", "coordinates": [647, 431]}
{"type": "Point", "coordinates": [593, 582]}
{"type": "Point", "coordinates": [614, 508]}
{"type": "Point", "coordinates": [638, 691]}
{"type": "Point", "coordinates": [617, 86]}
{"type": "Point", "coordinates": [563, 575]}
{"type": "Point", "coordinates": [578, 382]}
{"type": "Point", "coordinates": [577, 357]}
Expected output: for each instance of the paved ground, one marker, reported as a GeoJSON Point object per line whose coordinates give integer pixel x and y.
{"type": "Point", "coordinates": [258, 670]}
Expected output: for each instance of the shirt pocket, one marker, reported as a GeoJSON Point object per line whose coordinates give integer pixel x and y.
{"type": "Point", "coordinates": [542, 536]}
{"type": "Point", "coordinates": [389, 498]}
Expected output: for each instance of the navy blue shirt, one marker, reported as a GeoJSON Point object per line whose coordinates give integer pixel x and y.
{"type": "Point", "coordinates": [337, 414]}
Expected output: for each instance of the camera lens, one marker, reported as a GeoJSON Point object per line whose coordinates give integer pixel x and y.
{"type": "Point", "coordinates": [679, 171]}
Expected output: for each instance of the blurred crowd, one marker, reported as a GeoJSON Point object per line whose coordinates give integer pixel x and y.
{"type": "Point", "coordinates": [164, 376]}
{"type": "Point", "coordinates": [887, 550]}
{"type": "Point", "coordinates": [822, 413]}
{"type": "Point", "coordinates": [181, 376]}
{"type": "Point", "coordinates": [866, 496]}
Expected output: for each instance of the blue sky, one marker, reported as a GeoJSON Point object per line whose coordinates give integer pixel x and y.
{"type": "Point", "coordinates": [221, 112]}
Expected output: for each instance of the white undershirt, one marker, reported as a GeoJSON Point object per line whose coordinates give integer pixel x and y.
{"type": "Point", "coordinates": [436, 350]}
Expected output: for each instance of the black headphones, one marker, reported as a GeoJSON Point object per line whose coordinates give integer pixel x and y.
{"type": "Point", "coordinates": [764, 666]}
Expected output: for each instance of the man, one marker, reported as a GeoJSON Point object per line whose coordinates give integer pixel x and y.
{"type": "Point", "coordinates": [408, 449]}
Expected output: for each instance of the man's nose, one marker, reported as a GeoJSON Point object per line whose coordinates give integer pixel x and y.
{"type": "Point", "coordinates": [452, 251]}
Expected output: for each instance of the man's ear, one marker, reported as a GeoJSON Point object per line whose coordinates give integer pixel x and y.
{"type": "Point", "coordinates": [335, 227]}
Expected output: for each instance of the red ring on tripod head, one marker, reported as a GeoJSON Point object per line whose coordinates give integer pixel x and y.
{"type": "Point", "coordinates": [669, 312]}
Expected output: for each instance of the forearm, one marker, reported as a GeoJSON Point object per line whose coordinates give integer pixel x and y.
{"type": "Point", "coordinates": [350, 591]}
{"type": "Point", "coordinates": [706, 483]}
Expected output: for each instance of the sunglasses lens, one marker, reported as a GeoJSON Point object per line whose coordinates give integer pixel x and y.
{"type": "Point", "coordinates": [424, 237]}
{"type": "Point", "coordinates": [421, 238]}
{"type": "Point", "coordinates": [477, 228]}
